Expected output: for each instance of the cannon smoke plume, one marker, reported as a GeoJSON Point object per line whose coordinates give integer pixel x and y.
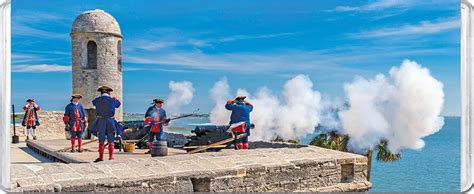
{"type": "Point", "coordinates": [181, 94]}
{"type": "Point", "coordinates": [294, 115]}
{"type": "Point", "coordinates": [402, 108]}
{"type": "Point", "coordinates": [220, 93]}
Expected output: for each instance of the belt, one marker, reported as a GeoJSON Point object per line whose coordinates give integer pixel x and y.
{"type": "Point", "coordinates": [101, 117]}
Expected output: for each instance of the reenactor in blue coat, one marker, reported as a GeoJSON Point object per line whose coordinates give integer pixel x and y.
{"type": "Point", "coordinates": [240, 119]}
{"type": "Point", "coordinates": [155, 117]}
{"type": "Point", "coordinates": [105, 125]}
{"type": "Point", "coordinates": [75, 120]}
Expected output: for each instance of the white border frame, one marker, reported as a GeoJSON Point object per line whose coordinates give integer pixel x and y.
{"type": "Point", "coordinates": [467, 98]}
{"type": "Point", "coordinates": [5, 93]}
{"type": "Point", "coordinates": [467, 41]}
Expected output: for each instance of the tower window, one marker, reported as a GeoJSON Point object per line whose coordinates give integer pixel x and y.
{"type": "Point", "coordinates": [119, 55]}
{"type": "Point", "coordinates": [91, 55]}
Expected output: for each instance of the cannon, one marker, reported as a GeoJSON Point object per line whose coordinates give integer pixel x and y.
{"type": "Point", "coordinates": [208, 134]}
{"type": "Point", "coordinates": [202, 135]}
{"type": "Point", "coordinates": [201, 130]}
{"type": "Point", "coordinates": [137, 131]}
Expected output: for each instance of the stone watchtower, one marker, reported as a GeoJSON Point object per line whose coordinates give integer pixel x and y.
{"type": "Point", "coordinates": [96, 57]}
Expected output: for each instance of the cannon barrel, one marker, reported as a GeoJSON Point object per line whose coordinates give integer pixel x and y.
{"type": "Point", "coordinates": [208, 134]}
{"type": "Point", "coordinates": [203, 129]}
{"type": "Point", "coordinates": [133, 124]}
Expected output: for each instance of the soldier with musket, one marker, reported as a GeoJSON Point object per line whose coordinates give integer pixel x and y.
{"type": "Point", "coordinates": [240, 119]}
{"type": "Point", "coordinates": [155, 117]}
{"type": "Point", "coordinates": [75, 120]}
{"type": "Point", "coordinates": [105, 125]}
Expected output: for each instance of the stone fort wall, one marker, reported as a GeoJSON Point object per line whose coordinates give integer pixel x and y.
{"type": "Point", "coordinates": [52, 126]}
{"type": "Point", "coordinates": [307, 169]}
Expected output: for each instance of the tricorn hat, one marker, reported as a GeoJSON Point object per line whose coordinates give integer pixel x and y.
{"type": "Point", "coordinates": [76, 96]}
{"type": "Point", "coordinates": [30, 100]}
{"type": "Point", "coordinates": [158, 100]}
{"type": "Point", "coordinates": [105, 89]}
{"type": "Point", "coordinates": [239, 98]}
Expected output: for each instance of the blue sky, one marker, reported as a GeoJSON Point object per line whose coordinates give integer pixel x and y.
{"type": "Point", "coordinates": [253, 44]}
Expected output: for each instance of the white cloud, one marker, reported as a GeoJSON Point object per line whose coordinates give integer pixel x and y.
{"type": "Point", "coordinates": [22, 29]}
{"type": "Point", "coordinates": [249, 37]}
{"type": "Point", "coordinates": [41, 68]}
{"type": "Point", "coordinates": [346, 8]}
{"type": "Point", "coordinates": [171, 38]}
{"type": "Point", "coordinates": [334, 61]}
{"type": "Point", "coordinates": [26, 23]}
{"type": "Point", "coordinates": [26, 57]}
{"type": "Point", "coordinates": [239, 62]}
{"type": "Point", "coordinates": [384, 4]}
{"type": "Point", "coordinates": [422, 28]}
{"type": "Point", "coordinates": [37, 17]}
{"type": "Point", "coordinates": [379, 5]}
{"type": "Point", "coordinates": [157, 69]}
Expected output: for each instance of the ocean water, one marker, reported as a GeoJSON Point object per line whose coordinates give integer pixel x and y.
{"type": "Point", "coordinates": [434, 168]}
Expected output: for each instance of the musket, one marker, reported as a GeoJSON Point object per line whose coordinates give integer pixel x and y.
{"type": "Point", "coordinates": [175, 118]}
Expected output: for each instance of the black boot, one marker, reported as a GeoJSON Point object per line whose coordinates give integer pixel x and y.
{"type": "Point", "coordinates": [34, 137]}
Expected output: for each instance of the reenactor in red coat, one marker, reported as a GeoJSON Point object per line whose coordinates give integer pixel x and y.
{"type": "Point", "coordinates": [30, 120]}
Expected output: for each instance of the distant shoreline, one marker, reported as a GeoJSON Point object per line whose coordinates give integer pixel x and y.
{"type": "Point", "coordinates": [197, 115]}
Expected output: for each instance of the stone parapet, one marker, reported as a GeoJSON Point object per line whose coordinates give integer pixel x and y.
{"type": "Point", "coordinates": [52, 126]}
{"type": "Point", "coordinates": [256, 170]}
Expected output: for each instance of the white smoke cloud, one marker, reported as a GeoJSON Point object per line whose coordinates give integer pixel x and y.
{"type": "Point", "coordinates": [402, 108]}
{"type": "Point", "coordinates": [220, 93]}
{"type": "Point", "coordinates": [294, 115]}
{"type": "Point", "coordinates": [181, 94]}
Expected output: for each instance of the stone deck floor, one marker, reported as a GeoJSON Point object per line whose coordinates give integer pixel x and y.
{"type": "Point", "coordinates": [21, 154]}
{"type": "Point", "coordinates": [91, 151]}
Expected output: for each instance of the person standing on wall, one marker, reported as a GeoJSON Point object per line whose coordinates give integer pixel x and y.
{"type": "Point", "coordinates": [105, 125]}
{"type": "Point", "coordinates": [155, 117]}
{"type": "Point", "coordinates": [30, 120]}
{"type": "Point", "coordinates": [240, 119]}
{"type": "Point", "coordinates": [75, 120]}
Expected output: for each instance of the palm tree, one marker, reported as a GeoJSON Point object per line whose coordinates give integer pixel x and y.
{"type": "Point", "coordinates": [384, 154]}
{"type": "Point", "coordinates": [333, 140]}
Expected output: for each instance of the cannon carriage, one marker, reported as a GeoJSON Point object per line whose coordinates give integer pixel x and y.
{"type": "Point", "coordinates": [202, 135]}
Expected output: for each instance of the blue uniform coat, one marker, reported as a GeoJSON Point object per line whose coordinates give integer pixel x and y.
{"type": "Point", "coordinates": [70, 114]}
{"type": "Point", "coordinates": [152, 113]}
{"type": "Point", "coordinates": [105, 122]}
{"type": "Point", "coordinates": [240, 112]}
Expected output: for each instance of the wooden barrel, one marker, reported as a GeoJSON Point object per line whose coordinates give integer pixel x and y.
{"type": "Point", "coordinates": [159, 148]}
